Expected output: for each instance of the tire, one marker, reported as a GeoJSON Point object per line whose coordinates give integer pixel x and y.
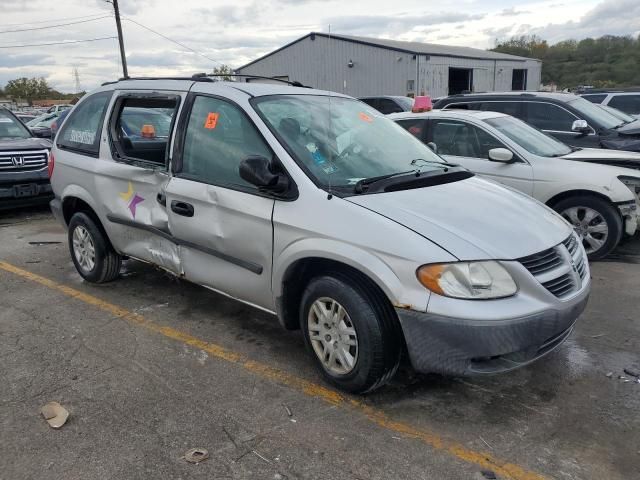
{"type": "Point", "coordinates": [576, 211]}
{"type": "Point", "coordinates": [378, 342]}
{"type": "Point", "coordinates": [101, 263]}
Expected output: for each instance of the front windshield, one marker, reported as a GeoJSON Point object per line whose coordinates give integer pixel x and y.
{"type": "Point", "coordinates": [591, 110]}
{"type": "Point", "coordinates": [406, 102]}
{"type": "Point", "coordinates": [532, 140]}
{"type": "Point", "coordinates": [626, 118]}
{"type": "Point", "coordinates": [12, 128]}
{"type": "Point", "coordinates": [341, 140]}
{"type": "Point", "coordinates": [44, 120]}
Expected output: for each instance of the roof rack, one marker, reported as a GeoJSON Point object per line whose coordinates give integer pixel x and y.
{"type": "Point", "coordinates": [209, 77]}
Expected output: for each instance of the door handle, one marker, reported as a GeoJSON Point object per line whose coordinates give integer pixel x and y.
{"type": "Point", "coordinates": [182, 208]}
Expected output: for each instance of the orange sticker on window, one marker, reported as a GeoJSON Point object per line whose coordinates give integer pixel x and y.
{"type": "Point", "coordinates": [211, 121]}
{"type": "Point", "coordinates": [365, 118]}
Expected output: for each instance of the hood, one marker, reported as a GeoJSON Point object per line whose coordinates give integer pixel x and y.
{"type": "Point", "coordinates": [32, 143]}
{"type": "Point", "coordinates": [473, 219]}
{"type": "Point", "coordinates": [632, 128]}
{"type": "Point", "coordinates": [618, 158]}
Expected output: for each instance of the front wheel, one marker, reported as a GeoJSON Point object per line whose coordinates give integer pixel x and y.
{"type": "Point", "coordinates": [91, 252]}
{"type": "Point", "coordinates": [596, 221]}
{"type": "Point", "coordinates": [351, 332]}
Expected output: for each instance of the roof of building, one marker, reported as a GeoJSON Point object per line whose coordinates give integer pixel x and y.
{"type": "Point", "coordinates": [417, 48]}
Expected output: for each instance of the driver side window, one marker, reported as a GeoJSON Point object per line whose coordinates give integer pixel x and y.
{"type": "Point", "coordinates": [457, 138]}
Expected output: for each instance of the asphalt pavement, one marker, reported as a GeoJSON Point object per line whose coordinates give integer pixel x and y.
{"type": "Point", "coordinates": [150, 366]}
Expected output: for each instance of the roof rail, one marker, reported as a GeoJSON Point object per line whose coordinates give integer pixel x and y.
{"type": "Point", "coordinates": [209, 77]}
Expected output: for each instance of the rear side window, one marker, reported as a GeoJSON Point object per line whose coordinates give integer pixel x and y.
{"type": "Point", "coordinates": [141, 128]}
{"type": "Point", "coordinates": [547, 116]}
{"type": "Point", "coordinates": [82, 129]}
{"type": "Point", "coordinates": [626, 103]}
{"type": "Point", "coordinates": [218, 137]}
{"type": "Point", "coordinates": [595, 98]}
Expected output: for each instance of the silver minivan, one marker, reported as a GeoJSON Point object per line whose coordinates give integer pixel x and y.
{"type": "Point", "coordinates": [315, 207]}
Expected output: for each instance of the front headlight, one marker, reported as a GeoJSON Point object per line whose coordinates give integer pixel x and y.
{"type": "Point", "coordinates": [633, 183]}
{"type": "Point", "coordinates": [468, 280]}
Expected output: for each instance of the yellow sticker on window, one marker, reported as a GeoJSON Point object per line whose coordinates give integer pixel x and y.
{"type": "Point", "coordinates": [211, 121]}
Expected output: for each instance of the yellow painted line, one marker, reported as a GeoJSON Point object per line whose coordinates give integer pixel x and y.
{"type": "Point", "coordinates": [483, 459]}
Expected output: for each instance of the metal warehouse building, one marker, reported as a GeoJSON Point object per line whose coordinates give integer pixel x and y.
{"type": "Point", "coordinates": [361, 66]}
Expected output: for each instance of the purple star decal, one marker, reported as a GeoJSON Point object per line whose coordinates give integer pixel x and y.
{"type": "Point", "coordinates": [134, 203]}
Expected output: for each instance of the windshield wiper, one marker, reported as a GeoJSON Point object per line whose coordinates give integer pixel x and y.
{"type": "Point", "coordinates": [360, 185]}
{"type": "Point", "coordinates": [432, 162]}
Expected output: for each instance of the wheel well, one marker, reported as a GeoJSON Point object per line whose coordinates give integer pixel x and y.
{"type": "Point", "coordinates": [298, 276]}
{"type": "Point", "coordinates": [574, 193]}
{"type": "Point", "coordinates": [73, 205]}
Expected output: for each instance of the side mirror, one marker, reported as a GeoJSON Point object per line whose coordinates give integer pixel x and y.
{"type": "Point", "coordinates": [41, 133]}
{"type": "Point", "coordinates": [258, 171]}
{"type": "Point", "coordinates": [433, 147]}
{"type": "Point", "coordinates": [580, 126]}
{"type": "Point", "coordinates": [501, 155]}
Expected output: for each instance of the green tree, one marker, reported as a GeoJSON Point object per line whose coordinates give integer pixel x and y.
{"type": "Point", "coordinates": [226, 71]}
{"type": "Point", "coordinates": [28, 88]}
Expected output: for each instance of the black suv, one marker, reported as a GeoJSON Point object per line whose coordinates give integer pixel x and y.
{"type": "Point", "coordinates": [23, 164]}
{"type": "Point", "coordinates": [570, 118]}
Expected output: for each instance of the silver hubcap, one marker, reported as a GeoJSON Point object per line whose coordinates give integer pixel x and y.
{"type": "Point", "coordinates": [333, 336]}
{"type": "Point", "coordinates": [83, 248]}
{"type": "Point", "coordinates": [590, 226]}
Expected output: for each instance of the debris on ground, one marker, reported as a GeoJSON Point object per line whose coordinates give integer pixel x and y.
{"type": "Point", "coordinates": [486, 443]}
{"type": "Point", "coordinates": [55, 414]}
{"type": "Point", "coordinates": [196, 455]}
{"type": "Point", "coordinates": [259, 456]}
{"type": "Point", "coordinates": [289, 412]}
{"type": "Point", "coordinates": [40, 243]}
{"type": "Point", "coordinates": [489, 474]}
{"type": "Point", "coordinates": [598, 335]}
{"type": "Point", "coordinates": [633, 373]}
{"type": "Point", "coordinates": [610, 374]}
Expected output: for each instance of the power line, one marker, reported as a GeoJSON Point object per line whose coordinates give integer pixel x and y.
{"type": "Point", "coordinates": [54, 26]}
{"type": "Point", "coordinates": [56, 43]}
{"type": "Point", "coordinates": [174, 41]}
{"type": "Point", "coordinates": [51, 20]}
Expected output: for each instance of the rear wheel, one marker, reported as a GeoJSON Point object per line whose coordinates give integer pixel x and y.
{"type": "Point", "coordinates": [350, 331]}
{"type": "Point", "coordinates": [596, 221]}
{"type": "Point", "coordinates": [91, 252]}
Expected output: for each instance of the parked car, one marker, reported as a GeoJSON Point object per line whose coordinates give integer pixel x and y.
{"type": "Point", "coordinates": [600, 201]}
{"type": "Point", "coordinates": [570, 118]}
{"type": "Point", "coordinates": [24, 117]}
{"type": "Point", "coordinates": [627, 100]}
{"type": "Point", "coordinates": [41, 125]}
{"type": "Point", "coordinates": [59, 108]}
{"type": "Point", "coordinates": [57, 123]}
{"type": "Point", "coordinates": [23, 164]}
{"type": "Point", "coordinates": [389, 103]}
{"type": "Point", "coordinates": [625, 117]}
{"type": "Point", "coordinates": [312, 206]}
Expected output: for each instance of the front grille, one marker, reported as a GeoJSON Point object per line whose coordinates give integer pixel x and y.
{"type": "Point", "coordinates": [561, 269]}
{"type": "Point", "coordinates": [24, 161]}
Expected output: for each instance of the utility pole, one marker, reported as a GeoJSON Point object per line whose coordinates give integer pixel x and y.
{"type": "Point", "coordinates": [120, 39]}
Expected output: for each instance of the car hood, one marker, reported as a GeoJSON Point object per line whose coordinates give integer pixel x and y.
{"type": "Point", "coordinates": [632, 128]}
{"type": "Point", "coordinates": [473, 219]}
{"type": "Point", "coordinates": [10, 145]}
{"type": "Point", "coordinates": [618, 158]}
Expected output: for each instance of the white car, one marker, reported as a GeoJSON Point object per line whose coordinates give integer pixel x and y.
{"type": "Point", "coordinates": [600, 201]}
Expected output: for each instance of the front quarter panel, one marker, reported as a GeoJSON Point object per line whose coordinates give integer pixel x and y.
{"type": "Point", "coordinates": [387, 252]}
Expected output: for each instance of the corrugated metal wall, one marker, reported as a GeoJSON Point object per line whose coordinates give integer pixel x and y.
{"type": "Point", "coordinates": [323, 63]}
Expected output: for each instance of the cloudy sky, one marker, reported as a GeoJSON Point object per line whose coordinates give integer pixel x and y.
{"type": "Point", "coordinates": [235, 33]}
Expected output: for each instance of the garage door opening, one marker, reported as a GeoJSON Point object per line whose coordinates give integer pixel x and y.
{"type": "Point", "coordinates": [460, 80]}
{"type": "Point", "coordinates": [519, 79]}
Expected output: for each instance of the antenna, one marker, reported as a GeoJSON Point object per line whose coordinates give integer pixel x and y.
{"type": "Point", "coordinates": [76, 79]}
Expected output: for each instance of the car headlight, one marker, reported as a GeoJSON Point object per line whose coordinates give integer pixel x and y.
{"type": "Point", "coordinates": [633, 183]}
{"type": "Point", "coordinates": [468, 280]}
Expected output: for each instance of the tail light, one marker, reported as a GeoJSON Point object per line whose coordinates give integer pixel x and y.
{"type": "Point", "coordinates": [51, 165]}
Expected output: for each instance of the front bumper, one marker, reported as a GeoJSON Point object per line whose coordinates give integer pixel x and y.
{"type": "Point", "coordinates": [24, 188]}
{"type": "Point", "coordinates": [629, 212]}
{"type": "Point", "coordinates": [458, 346]}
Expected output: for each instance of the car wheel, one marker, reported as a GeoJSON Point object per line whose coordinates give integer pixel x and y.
{"type": "Point", "coordinates": [596, 221]}
{"type": "Point", "coordinates": [351, 332]}
{"type": "Point", "coordinates": [91, 252]}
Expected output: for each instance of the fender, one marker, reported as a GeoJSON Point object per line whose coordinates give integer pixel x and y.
{"type": "Point", "coordinates": [79, 192]}
{"type": "Point", "coordinates": [376, 268]}
{"type": "Point", "coordinates": [611, 193]}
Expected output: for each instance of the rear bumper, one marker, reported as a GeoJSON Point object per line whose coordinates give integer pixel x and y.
{"type": "Point", "coordinates": [457, 346]}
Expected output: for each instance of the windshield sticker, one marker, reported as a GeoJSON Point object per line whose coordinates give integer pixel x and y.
{"type": "Point", "coordinates": [329, 169]}
{"type": "Point", "coordinates": [365, 118]}
{"type": "Point", "coordinates": [318, 158]}
{"type": "Point", "coordinates": [132, 199]}
{"type": "Point", "coordinates": [82, 136]}
{"type": "Point", "coordinates": [211, 121]}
